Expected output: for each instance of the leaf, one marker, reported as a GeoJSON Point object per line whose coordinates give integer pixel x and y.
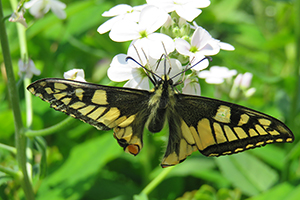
{"type": "Point", "coordinates": [247, 173]}
{"type": "Point", "coordinates": [79, 171]}
{"type": "Point", "coordinates": [278, 192]}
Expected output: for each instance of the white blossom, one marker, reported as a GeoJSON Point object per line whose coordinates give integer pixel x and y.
{"type": "Point", "coordinates": [75, 74]}
{"type": "Point", "coordinates": [28, 68]}
{"type": "Point", "coordinates": [122, 70]}
{"type": "Point", "coordinates": [216, 74]}
{"type": "Point", "coordinates": [191, 87]}
{"type": "Point", "coordinates": [40, 7]}
{"type": "Point", "coordinates": [142, 33]}
{"type": "Point", "coordinates": [187, 9]}
{"type": "Point", "coordinates": [119, 13]}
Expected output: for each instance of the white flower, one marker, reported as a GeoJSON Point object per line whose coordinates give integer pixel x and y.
{"type": "Point", "coordinates": [18, 17]}
{"type": "Point", "coordinates": [216, 74]}
{"type": "Point", "coordinates": [202, 44]}
{"type": "Point", "coordinates": [28, 68]}
{"type": "Point", "coordinates": [142, 33]}
{"type": "Point", "coordinates": [75, 74]}
{"type": "Point", "coordinates": [40, 7]}
{"type": "Point", "coordinates": [243, 80]}
{"type": "Point", "coordinates": [119, 13]}
{"type": "Point", "coordinates": [191, 87]}
{"type": "Point", "coordinates": [222, 45]}
{"type": "Point", "coordinates": [134, 74]}
{"type": "Point", "coordinates": [240, 86]}
{"type": "Point", "coordinates": [187, 9]}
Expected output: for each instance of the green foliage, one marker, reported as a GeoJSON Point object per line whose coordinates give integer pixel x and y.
{"type": "Point", "coordinates": [80, 162]}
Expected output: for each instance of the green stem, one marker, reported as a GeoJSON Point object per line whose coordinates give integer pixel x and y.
{"type": "Point", "coordinates": [20, 139]}
{"type": "Point", "coordinates": [156, 181]}
{"type": "Point", "coordinates": [9, 148]}
{"type": "Point", "coordinates": [50, 130]}
{"type": "Point", "coordinates": [10, 172]}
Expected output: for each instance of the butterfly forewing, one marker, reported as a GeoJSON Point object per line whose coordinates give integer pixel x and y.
{"type": "Point", "coordinates": [222, 128]}
{"type": "Point", "coordinates": [121, 109]}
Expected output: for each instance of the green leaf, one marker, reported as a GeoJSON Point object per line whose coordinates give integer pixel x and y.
{"type": "Point", "coordinates": [79, 171]}
{"type": "Point", "coordinates": [247, 173]}
{"type": "Point", "coordinates": [278, 192]}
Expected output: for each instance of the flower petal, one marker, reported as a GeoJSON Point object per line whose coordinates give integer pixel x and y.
{"type": "Point", "coordinates": [117, 10]}
{"type": "Point", "coordinates": [188, 12]}
{"type": "Point", "coordinates": [124, 30]}
{"type": "Point", "coordinates": [182, 46]}
{"type": "Point", "coordinates": [152, 18]}
{"type": "Point", "coordinates": [119, 69]}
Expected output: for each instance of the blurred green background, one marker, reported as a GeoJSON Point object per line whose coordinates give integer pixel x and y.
{"type": "Point", "coordinates": [84, 163]}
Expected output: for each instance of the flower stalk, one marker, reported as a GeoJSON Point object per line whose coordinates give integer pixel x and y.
{"type": "Point", "coordinates": [20, 139]}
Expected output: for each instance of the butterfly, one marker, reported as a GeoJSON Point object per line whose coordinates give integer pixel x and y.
{"type": "Point", "coordinates": [196, 123]}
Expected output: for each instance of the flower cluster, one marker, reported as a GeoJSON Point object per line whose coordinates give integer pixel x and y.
{"type": "Point", "coordinates": [157, 28]}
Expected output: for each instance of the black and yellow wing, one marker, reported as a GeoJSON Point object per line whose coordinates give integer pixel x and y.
{"type": "Point", "coordinates": [217, 128]}
{"type": "Point", "coordinates": [121, 109]}
{"type": "Point", "coordinates": [211, 126]}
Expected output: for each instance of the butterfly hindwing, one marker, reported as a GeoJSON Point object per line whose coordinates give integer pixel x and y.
{"type": "Point", "coordinates": [121, 109]}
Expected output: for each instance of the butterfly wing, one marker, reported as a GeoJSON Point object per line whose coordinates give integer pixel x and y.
{"type": "Point", "coordinates": [218, 128]}
{"type": "Point", "coordinates": [121, 109]}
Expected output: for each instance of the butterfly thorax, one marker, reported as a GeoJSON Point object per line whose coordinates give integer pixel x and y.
{"type": "Point", "coordinates": [161, 100]}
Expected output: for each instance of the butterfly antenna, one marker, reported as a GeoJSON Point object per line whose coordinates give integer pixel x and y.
{"type": "Point", "coordinates": [186, 69]}
{"type": "Point", "coordinates": [147, 70]}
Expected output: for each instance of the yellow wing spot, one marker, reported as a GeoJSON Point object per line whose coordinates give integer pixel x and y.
{"type": "Point", "coordinates": [240, 132]}
{"type": "Point", "coordinates": [39, 95]}
{"type": "Point", "coordinates": [86, 110]}
{"type": "Point", "coordinates": [238, 149]}
{"type": "Point", "coordinates": [252, 132]}
{"type": "Point", "coordinates": [259, 143]}
{"type": "Point", "coordinates": [229, 133]}
{"type": "Point", "coordinates": [43, 83]}
{"type": "Point", "coordinates": [205, 133]}
{"type": "Point", "coordinates": [66, 100]}
{"type": "Point", "coordinates": [219, 133]}
{"type": "Point", "coordinates": [196, 138]}
{"type": "Point", "coordinates": [249, 146]}
{"type": "Point", "coordinates": [31, 90]}
{"type": "Point", "coordinates": [288, 140]}
{"type": "Point", "coordinates": [223, 114]}
{"type": "Point", "coordinates": [49, 90]}
{"type": "Point", "coordinates": [128, 121]}
{"type": "Point", "coordinates": [191, 149]}
{"type": "Point", "coordinates": [260, 130]}
{"type": "Point", "coordinates": [119, 132]}
{"type": "Point", "coordinates": [183, 149]}
{"type": "Point", "coordinates": [186, 133]}
{"type": "Point", "coordinates": [281, 140]}
{"type": "Point", "coordinates": [100, 97]}
{"type": "Point", "coordinates": [269, 141]}
{"type": "Point", "coordinates": [110, 116]}
{"type": "Point", "coordinates": [97, 113]}
{"type": "Point", "coordinates": [226, 152]}
{"type": "Point", "coordinates": [244, 119]}
{"type": "Point", "coordinates": [170, 160]}
{"type": "Point", "coordinates": [264, 122]}
{"type": "Point", "coordinates": [117, 122]}
{"type": "Point", "coordinates": [77, 105]}
{"type": "Point", "coordinates": [213, 154]}
{"type": "Point", "coordinates": [274, 132]}
{"type": "Point", "coordinates": [72, 115]}
{"type": "Point", "coordinates": [60, 86]}
{"type": "Point", "coordinates": [79, 93]}
{"type": "Point", "coordinates": [127, 134]}
{"type": "Point", "coordinates": [58, 96]}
